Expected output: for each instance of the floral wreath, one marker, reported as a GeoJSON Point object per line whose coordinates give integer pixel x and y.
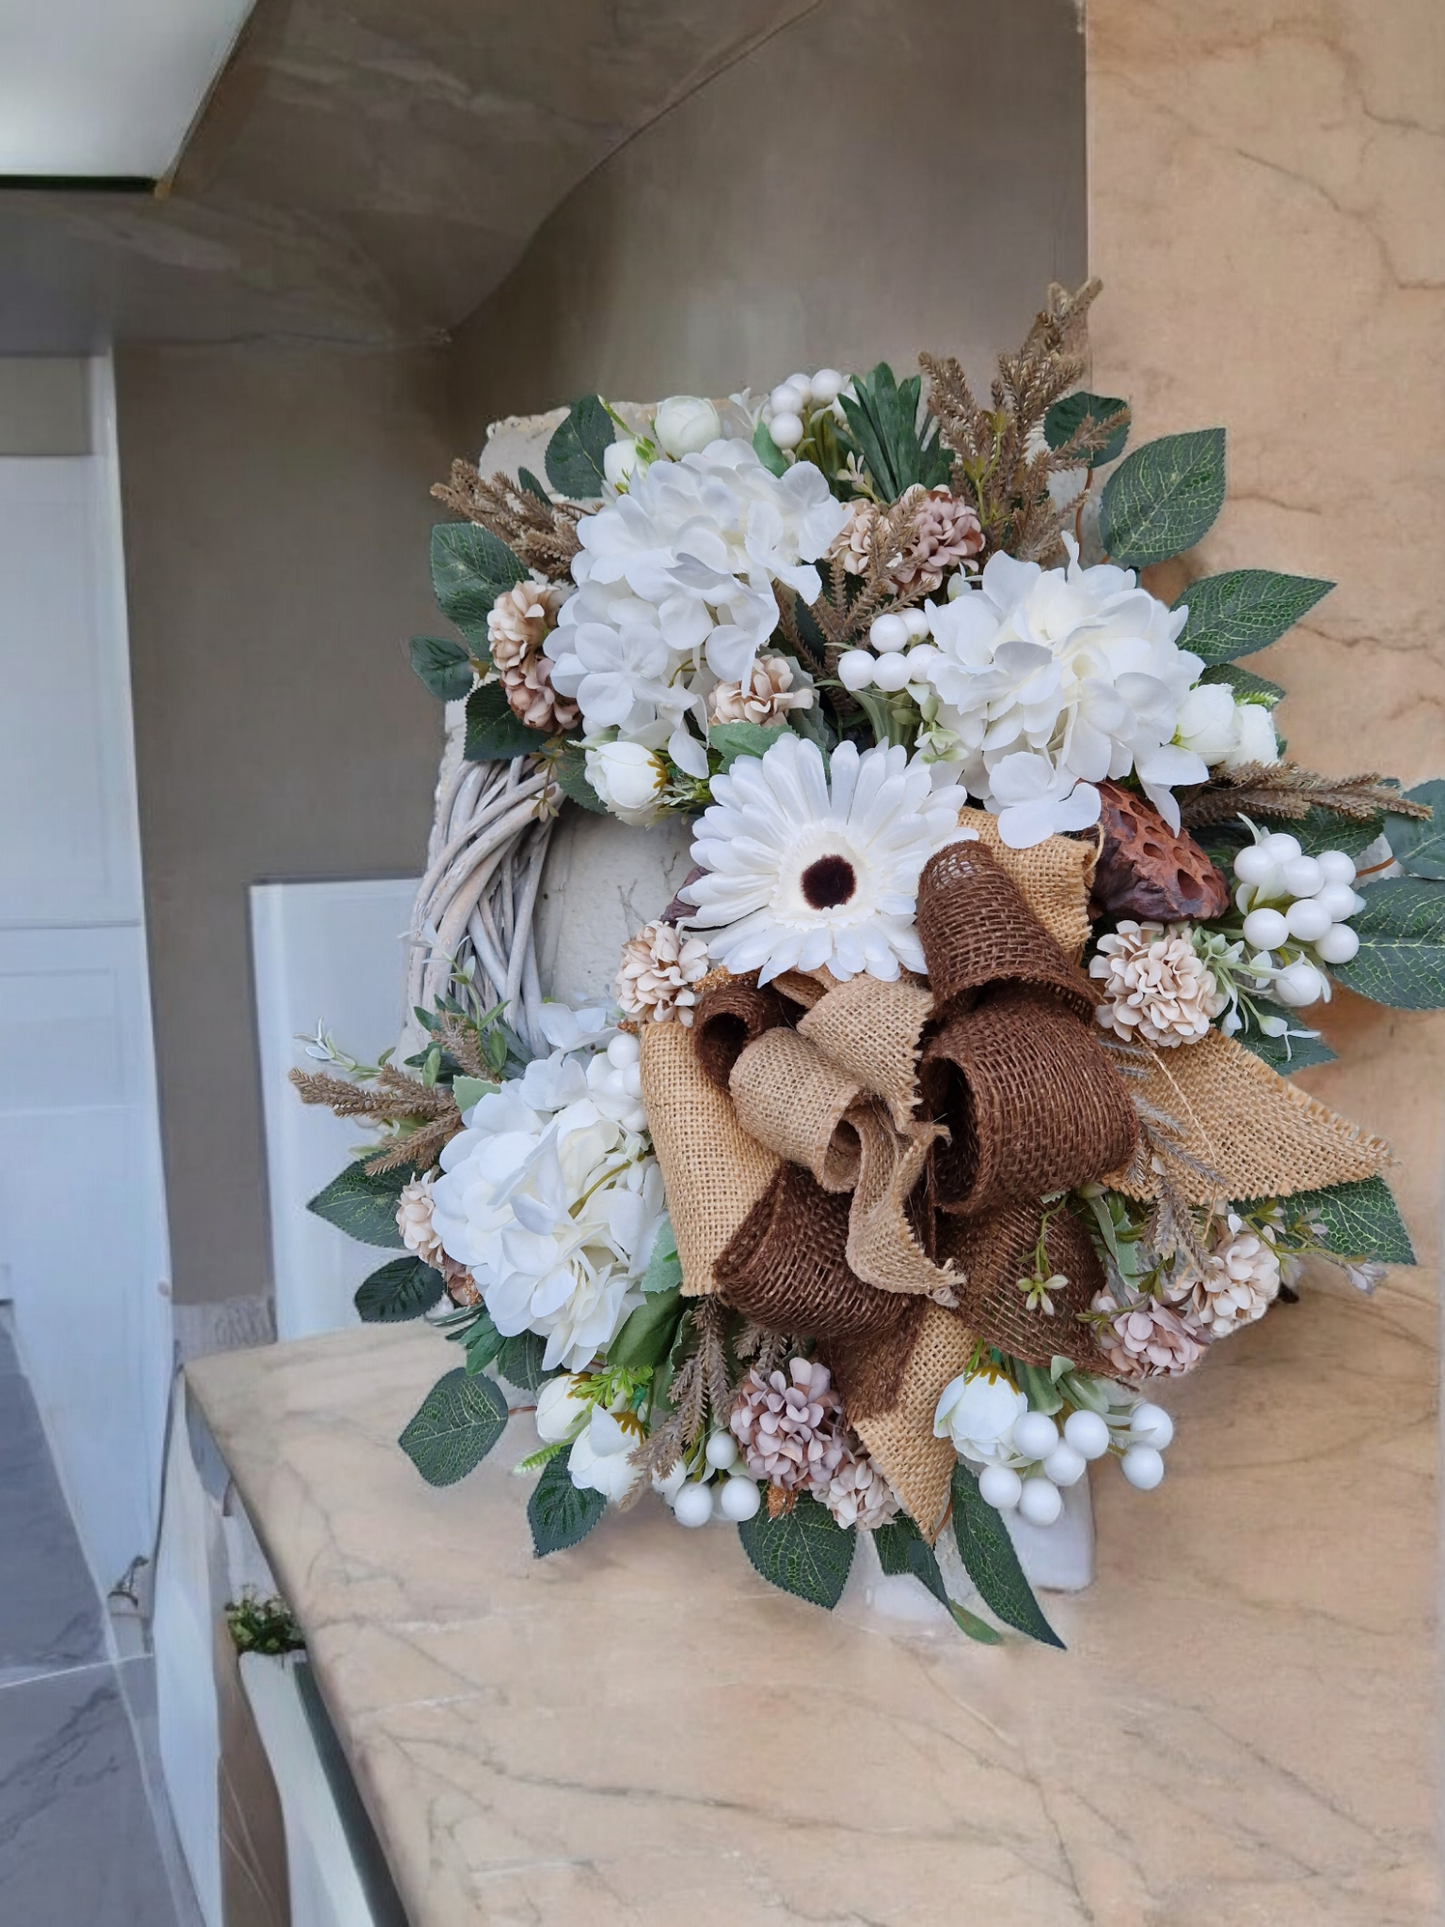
{"type": "Point", "coordinates": [945, 1113]}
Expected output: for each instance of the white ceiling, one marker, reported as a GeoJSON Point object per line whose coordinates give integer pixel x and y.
{"type": "Point", "coordinates": [107, 87]}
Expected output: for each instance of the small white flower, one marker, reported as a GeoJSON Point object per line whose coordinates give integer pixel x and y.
{"type": "Point", "coordinates": [1207, 722]}
{"type": "Point", "coordinates": [629, 780]}
{"type": "Point", "coordinates": [805, 871]}
{"type": "Point", "coordinates": [1255, 740]}
{"type": "Point", "coordinates": [560, 1413]}
{"type": "Point", "coordinates": [619, 459]}
{"type": "Point", "coordinates": [685, 424]}
{"type": "Point", "coordinates": [978, 1414]}
{"type": "Point", "coordinates": [600, 1459]}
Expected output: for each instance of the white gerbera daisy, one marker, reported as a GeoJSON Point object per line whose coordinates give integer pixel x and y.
{"type": "Point", "coordinates": [801, 874]}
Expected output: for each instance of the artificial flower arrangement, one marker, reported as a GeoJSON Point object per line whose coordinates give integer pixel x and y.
{"type": "Point", "coordinates": [945, 1114]}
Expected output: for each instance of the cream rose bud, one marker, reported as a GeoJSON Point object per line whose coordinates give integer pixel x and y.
{"type": "Point", "coordinates": [600, 1460]}
{"type": "Point", "coordinates": [685, 424]}
{"type": "Point", "coordinates": [628, 778]}
{"type": "Point", "coordinates": [1255, 741]}
{"type": "Point", "coordinates": [618, 461]}
{"type": "Point", "coordinates": [1207, 722]}
{"type": "Point", "coordinates": [559, 1414]}
{"type": "Point", "coordinates": [978, 1413]}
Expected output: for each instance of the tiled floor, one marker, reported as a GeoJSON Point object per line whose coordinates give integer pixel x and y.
{"type": "Point", "coordinates": [80, 1842]}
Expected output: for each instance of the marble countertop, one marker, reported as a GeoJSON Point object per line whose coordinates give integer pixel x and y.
{"type": "Point", "coordinates": [640, 1731]}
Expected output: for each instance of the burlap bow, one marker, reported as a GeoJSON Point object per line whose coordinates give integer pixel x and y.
{"type": "Point", "coordinates": [864, 1163]}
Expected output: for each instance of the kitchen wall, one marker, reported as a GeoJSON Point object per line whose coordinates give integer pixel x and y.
{"type": "Point", "coordinates": [879, 177]}
{"type": "Point", "coordinates": [276, 527]}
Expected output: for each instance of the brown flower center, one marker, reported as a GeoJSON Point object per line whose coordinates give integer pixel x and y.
{"type": "Point", "coordinates": [828, 882]}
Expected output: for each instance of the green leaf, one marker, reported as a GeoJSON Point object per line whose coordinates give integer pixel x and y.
{"type": "Point", "coordinates": [570, 769]}
{"type": "Point", "coordinates": [903, 1550]}
{"type": "Point", "coordinates": [531, 486]}
{"type": "Point", "coordinates": [470, 568]}
{"type": "Point", "coordinates": [1163, 498]}
{"type": "Point", "coordinates": [767, 451]}
{"type": "Point", "coordinates": [1301, 1054]}
{"type": "Point", "coordinates": [519, 1360]}
{"type": "Point", "coordinates": [1419, 848]}
{"type": "Point", "coordinates": [444, 666]}
{"type": "Point", "coordinates": [560, 1515]}
{"type": "Point", "coordinates": [1361, 1221]}
{"type": "Point", "coordinates": [471, 1090]}
{"type": "Point", "coordinates": [664, 1268]}
{"type": "Point", "coordinates": [1401, 959]}
{"type": "Point", "coordinates": [403, 1289]}
{"type": "Point", "coordinates": [460, 1420]}
{"type": "Point", "coordinates": [1066, 418]}
{"type": "Point", "coordinates": [1246, 685]}
{"type": "Point", "coordinates": [732, 740]}
{"type": "Point", "coordinates": [884, 421]}
{"type": "Point", "coordinates": [575, 453]}
{"type": "Point", "coordinates": [364, 1207]}
{"type": "Point", "coordinates": [1243, 610]}
{"type": "Point", "coordinates": [482, 1341]}
{"type": "Point", "coordinates": [494, 733]}
{"type": "Point", "coordinates": [805, 1551]}
{"type": "Point", "coordinates": [647, 1336]}
{"type": "Point", "coordinates": [992, 1564]}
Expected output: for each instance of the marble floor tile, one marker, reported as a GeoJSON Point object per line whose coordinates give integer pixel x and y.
{"type": "Point", "coordinates": [50, 1612]}
{"type": "Point", "coordinates": [77, 1841]}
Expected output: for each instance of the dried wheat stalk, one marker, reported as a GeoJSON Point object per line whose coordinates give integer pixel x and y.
{"type": "Point", "coordinates": [1284, 789]}
{"type": "Point", "coordinates": [541, 534]}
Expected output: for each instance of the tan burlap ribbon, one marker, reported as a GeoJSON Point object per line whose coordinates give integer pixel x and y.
{"type": "Point", "coordinates": [865, 1163]}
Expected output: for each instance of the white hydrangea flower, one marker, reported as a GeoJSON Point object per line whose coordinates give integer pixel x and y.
{"type": "Point", "coordinates": [555, 1198]}
{"type": "Point", "coordinates": [675, 589]}
{"type": "Point", "coordinates": [1050, 680]}
{"type": "Point", "coordinates": [810, 865]}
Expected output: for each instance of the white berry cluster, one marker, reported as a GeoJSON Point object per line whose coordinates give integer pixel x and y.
{"type": "Point", "coordinates": [722, 1487]}
{"type": "Point", "coordinates": [884, 665]}
{"type": "Point", "coordinates": [1295, 913]}
{"type": "Point", "coordinates": [1024, 1460]}
{"type": "Point", "coordinates": [787, 408]}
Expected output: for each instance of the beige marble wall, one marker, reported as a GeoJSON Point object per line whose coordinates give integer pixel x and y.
{"type": "Point", "coordinates": [1267, 211]}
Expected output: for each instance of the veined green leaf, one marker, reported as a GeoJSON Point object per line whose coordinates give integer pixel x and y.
{"type": "Point", "coordinates": [403, 1289]}
{"type": "Point", "coordinates": [992, 1564]}
{"type": "Point", "coordinates": [1234, 614]}
{"type": "Point", "coordinates": [648, 1335]}
{"type": "Point", "coordinates": [1419, 848]}
{"type": "Point", "coordinates": [732, 740]}
{"type": "Point", "coordinates": [364, 1207]}
{"type": "Point", "coordinates": [575, 453]}
{"type": "Point", "coordinates": [767, 451]}
{"type": "Point", "coordinates": [1163, 498]}
{"type": "Point", "coordinates": [664, 1267]}
{"type": "Point", "coordinates": [560, 1515]}
{"type": "Point", "coordinates": [519, 1360]}
{"type": "Point", "coordinates": [494, 732]}
{"type": "Point", "coordinates": [1361, 1221]}
{"type": "Point", "coordinates": [903, 1550]}
{"type": "Point", "coordinates": [1246, 685]}
{"type": "Point", "coordinates": [471, 1090]}
{"type": "Point", "coordinates": [460, 1420]}
{"type": "Point", "coordinates": [1401, 959]}
{"type": "Point", "coordinates": [443, 666]}
{"type": "Point", "coordinates": [804, 1552]}
{"type": "Point", "coordinates": [470, 568]}
{"type": "Point", "coordinates": [1287, 1054]}
{"type": "Point", "coordinates": [570, 770]}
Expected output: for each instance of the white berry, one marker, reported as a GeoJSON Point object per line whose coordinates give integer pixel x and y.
{"type": "Point", "coordinates": [888, 633]}
{"type": "Point", "coordinates": [1064, 1465]}
{"type": "Point", "coordinates": [1281, 846]}
{"type": "Point", "coordinates": [891, 673]}
{"type": "Point", "coordinates": [1000, 1486]}
{"type": "Point", "coordinates": [1338, 945]}
{"type": "Point", "coordinates": [1308, 919]}
{"type": "Point", "coordinates": [827, 385]}
{"type": "Point", "coordinates": [1041, 1501]}
{"type": "Point", "coordinates": [917, 622]}
{"type": "Point", "coordinates": [786, 429]}
{"type": "Point", "coordinates": [1143, 1467]}
{"type": "Point", "coordinates": [1339, 900]}
{"type": "Point", "coordinates": [855, 669]}
{"type": "Point", "coordinates": [739, 1499]}
{"type": "Point", "coordinates": [1151, 1424]}
{"type": "Point", "coordinates": [1337, 867]}
{"type": "Point", "coordinates": [1087, 1433]}
{"type": "Point", "coordinates": [1265, 929]}
{"type": "Point", "coordinates": [787, 400]}
{"type": "Point", "coordinates": [1035, 1435]}
{"type": "Point", "coordinates": [1254, 864]}
{"type": "Point", "coordinates": [623, 1050]}
{"type": "Point", "coordinates": [1302, 876]}
{"type": "Point", "coordinates": [722, 1450]}
{"type": "Point", "coordinates": [919, 658]}
{"type": "Point", "coordinates": [693, 1504]}
{"type": "Point", "coordinates": [1299, 985]}
{"type": "Point", "coordinates": [803, 383]}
